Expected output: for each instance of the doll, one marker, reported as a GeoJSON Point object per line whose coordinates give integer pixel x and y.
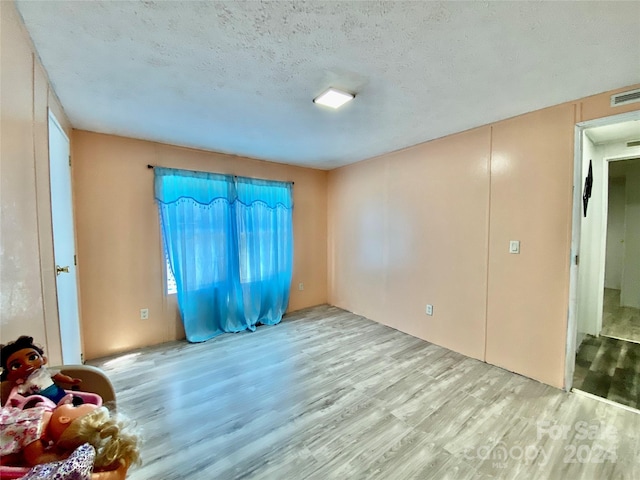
{"type": "Point", "coordinates": [23, 364]}
{"type": "Point", "coordinates": [79, 466]}
{"type": "Point", "coordinates": [71, 426]}
{"type": "Point", "coordinates": [67, 427]}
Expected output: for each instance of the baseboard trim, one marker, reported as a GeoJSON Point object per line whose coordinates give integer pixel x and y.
{"type": "Point", "coordinates": [620, 338]}
{"type": "Point", "coordinates": [604, 400]}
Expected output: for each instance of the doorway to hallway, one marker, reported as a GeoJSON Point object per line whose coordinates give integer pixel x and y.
{"type": "Point", "coordinates": [606, 246]}
{"type": "Point", "coordinates": [621, 296]}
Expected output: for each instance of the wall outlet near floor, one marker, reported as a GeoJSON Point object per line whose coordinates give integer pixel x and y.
{"type": "Point", "coordinates": [144, 314]}
{"type": "Point", "coordinates": [429, 309]}
{"type": "Point", "coordinates": [301, 286]}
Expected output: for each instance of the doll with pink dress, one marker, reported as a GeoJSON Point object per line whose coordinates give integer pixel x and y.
{"type": "Point", "coordinates": [66, 437]}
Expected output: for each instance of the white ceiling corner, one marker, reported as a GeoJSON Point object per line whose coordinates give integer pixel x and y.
{"type": "Point", "coordinates": [616, 132]}
{"type": "Point", "coordinates": [239, 77]}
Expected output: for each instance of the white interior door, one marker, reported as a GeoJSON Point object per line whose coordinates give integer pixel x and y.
{"type": "Point", "coordinates": [64, 243]}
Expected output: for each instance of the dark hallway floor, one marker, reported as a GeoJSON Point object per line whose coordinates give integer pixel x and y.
{"type": "Point", "coordinates": [609, 368]}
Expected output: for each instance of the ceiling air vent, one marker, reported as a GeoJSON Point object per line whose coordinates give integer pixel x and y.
{"type": "Point", "coordinates": [634, 143]}
{"type": "Point", "coordinates": [632, 96]}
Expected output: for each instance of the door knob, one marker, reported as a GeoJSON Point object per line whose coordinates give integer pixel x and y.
{"type": "Point", "coordinates": [60, 269]}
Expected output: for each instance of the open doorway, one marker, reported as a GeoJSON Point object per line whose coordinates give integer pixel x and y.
{"type": "Point", "coordinates": [621, 307]}
{"type": "Point", "coordinates": [607, 297]}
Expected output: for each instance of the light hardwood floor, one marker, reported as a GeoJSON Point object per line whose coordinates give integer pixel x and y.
{"type": "Point", "coordinates": [328, 394]}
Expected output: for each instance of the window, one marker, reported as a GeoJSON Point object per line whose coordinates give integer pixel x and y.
{"type": "Point", "coordinates": [172, 289]}
{"type": "Point", "coordinates": [229, 241]}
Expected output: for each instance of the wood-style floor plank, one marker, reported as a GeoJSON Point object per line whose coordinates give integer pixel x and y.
{"type": "Point", "coordinates": [327, 394]}
{"type": "Point", "coordinates": [609, 368]}
{"type": "Point", "coordinates": [619, 322]}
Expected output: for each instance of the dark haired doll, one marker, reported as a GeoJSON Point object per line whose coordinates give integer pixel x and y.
{"type": "Point", "coordinates": [23, 364]}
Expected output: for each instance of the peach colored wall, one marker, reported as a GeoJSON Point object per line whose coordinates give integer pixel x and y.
{"type": "Point", "coordinates": [424, 225]}
{"type": "Point", "coordinates": [432, 224]}
{"type": "Point", "coordinates": [410, 228]}
{"type": "Point", "coordinates": [598, 106]}
{"type": "Point", "coordinates": [27, 280]}
{"type": "Point", "coordinates": [531, 201]}
{"type": "Point", "coordinates": [120, 257]}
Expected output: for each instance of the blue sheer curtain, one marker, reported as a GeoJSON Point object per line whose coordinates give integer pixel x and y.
{"type": "Point", "coordinates": [230, 246]}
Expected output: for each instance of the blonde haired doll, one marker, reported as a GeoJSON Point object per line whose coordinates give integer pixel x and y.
{"type": "Point", "coordinates": [111, 436]}
{"type": "Point", "coordinates": [69, 427]}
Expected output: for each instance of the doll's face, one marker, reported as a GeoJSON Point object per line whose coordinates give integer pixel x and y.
{"type": "Point", "coordinates": [64, 415]}
{"type": "Point", "coordinates": [24, 362]}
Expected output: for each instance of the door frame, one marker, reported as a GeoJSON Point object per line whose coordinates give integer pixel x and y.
{"type": "Point", "coordinates": [572, 321]}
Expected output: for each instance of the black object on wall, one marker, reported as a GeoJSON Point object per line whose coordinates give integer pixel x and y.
{"type": "Point", "coordinates": [588, 183]}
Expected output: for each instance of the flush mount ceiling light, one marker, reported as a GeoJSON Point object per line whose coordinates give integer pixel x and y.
{"type": "Point", "coordinates": [333, 98]}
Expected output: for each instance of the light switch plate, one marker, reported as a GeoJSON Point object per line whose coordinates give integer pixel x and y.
{"type": "Point", "coordinates": [514, 246]}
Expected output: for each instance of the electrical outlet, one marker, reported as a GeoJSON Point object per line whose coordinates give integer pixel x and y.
{"type": "Point", "coordinates": [301, 286]}
{"type": "Point", "coordinates": [144, 314]}
{"type": "Point", "coordinates": [429, 310]}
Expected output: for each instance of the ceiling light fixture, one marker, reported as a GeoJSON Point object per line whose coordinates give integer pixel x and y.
{"type": "Point", "coordinates": [333, 98]}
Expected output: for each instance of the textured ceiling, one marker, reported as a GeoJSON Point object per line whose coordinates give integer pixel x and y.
{"type": "Point", "coordinates": [239, 77]}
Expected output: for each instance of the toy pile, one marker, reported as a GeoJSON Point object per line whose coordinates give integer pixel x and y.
{"type": "Point", "coordinates": [47, 432]}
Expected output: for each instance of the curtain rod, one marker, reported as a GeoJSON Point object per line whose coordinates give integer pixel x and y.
{"type": "Point", "coordinates": [235, 176]}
